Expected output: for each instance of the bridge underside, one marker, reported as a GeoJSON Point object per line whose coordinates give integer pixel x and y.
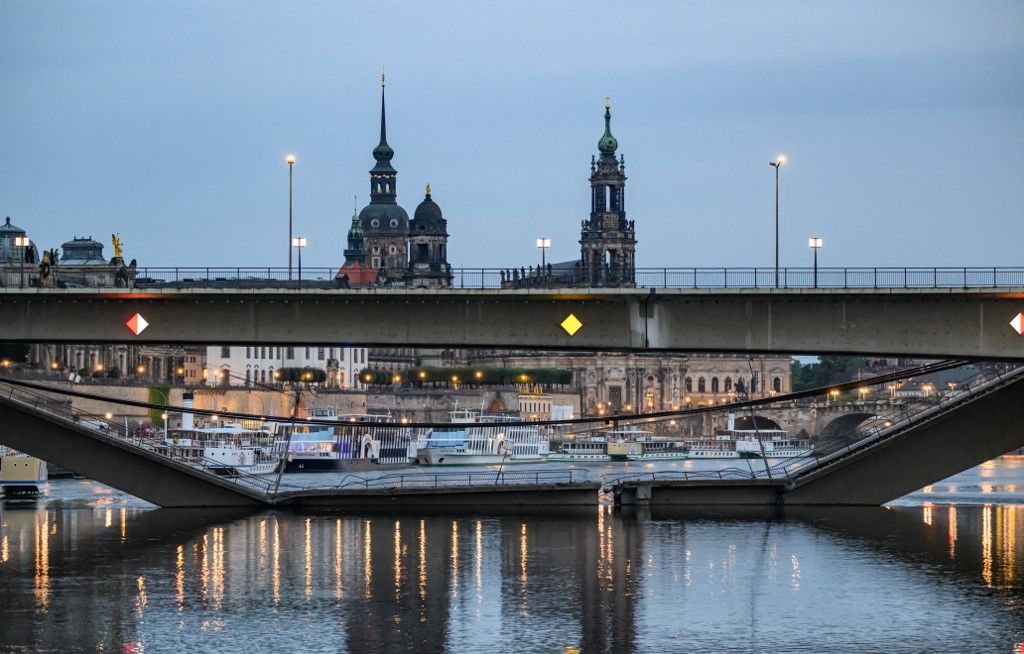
{"type": "Point", "coordinates": [933, 323]}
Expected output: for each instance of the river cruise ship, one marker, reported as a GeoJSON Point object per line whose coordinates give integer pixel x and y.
{"type": "Point", "coordinates": [628, 444]}
{"type": "Point", "coordinates": [355, 442]}
{"type": "Point", "coordinates": [741, 440]}
{"type": "Point", "coordinates": [229, 449]}
{"type": "Point", "coordinates": [469, 442]}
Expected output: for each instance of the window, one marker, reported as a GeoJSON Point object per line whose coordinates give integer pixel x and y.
{"type": "Point", "coordinates": [701, 385]}
{"type": "Point", "coordinates": [689, 384]}
{"type": "Point", "coordinates": [248, 352]}
{"type": "Point", "coordinates": [225, 352]}
{"type": "Point", "coordinates": [714, 384]}
{"type": "Point", "coordinates": [341, 354]}
{"type": "Point", "coordinates": [248, 376]}
{"type": "Point", "coordinates": [728, 384]}
{"type": "Point", "coordinates": [330, 353]}
{"type": "Point", "coordinates": [291, 353]}
{"type": "Point", "coordinates": [307, 354]}
{"type": "Point", "coordinates": [320, 353]}
{"type": "Point", "coordinates": [777, 385]}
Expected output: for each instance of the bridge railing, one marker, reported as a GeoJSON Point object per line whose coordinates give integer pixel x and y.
{"type": "Point", "coordinates": [136, 439]}
{"type": "Point", "coordinates": [531, 277]}
{"type": "Point", "coordinates": [724, 474]}
{"type": "Point", "coordinates": [890, 425]}
{"type": "Point", "coordinates": [462, 479]}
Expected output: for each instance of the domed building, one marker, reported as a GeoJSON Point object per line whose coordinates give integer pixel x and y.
{"type": "Point", "coordinates": [384, 223]}
{"type": "Point", "coordinates": [428, 247]}
{"type": "Point", "coordinates": [17, 262]}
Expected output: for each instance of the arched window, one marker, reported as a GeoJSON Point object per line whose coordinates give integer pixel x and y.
{"type": "Point", "coordinates": [701, 385]}
{"type": "Point", "coordinates": [689, 384]}
{"type": "Point", "coordinates": [728, 384]}
{"type": "Point", "coordinates": [248, 375]}
{"type": "Point", "coordinates": [777, 385]}
{"type": "Point", "coordinates": [714, 384]}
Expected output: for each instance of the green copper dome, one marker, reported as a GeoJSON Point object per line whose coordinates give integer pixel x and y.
{"type": "Point", "coordinates": [607, 144]}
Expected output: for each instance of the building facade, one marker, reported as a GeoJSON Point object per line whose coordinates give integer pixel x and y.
{"type": "Point", "coordinates": [250, 365]}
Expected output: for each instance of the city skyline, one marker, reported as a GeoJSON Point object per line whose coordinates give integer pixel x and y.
{"type": "Point", "coordinates": [901, 125]}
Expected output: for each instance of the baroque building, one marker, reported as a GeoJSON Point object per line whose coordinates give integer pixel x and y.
{"type": "Point", "coordinates": [388, 234]}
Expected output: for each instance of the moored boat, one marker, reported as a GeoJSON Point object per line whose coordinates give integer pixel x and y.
{"type": "Point", "coordinates": [468, 442]}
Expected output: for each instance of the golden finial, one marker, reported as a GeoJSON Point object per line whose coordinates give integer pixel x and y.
{"type": "Point", "coordinates": [382, 79]}
{"type": "Point", "coordinates": [607, 102]}
{"type": "Point", "coordinates": [428, 189]}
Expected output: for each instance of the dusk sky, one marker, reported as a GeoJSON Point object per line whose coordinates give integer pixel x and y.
{"type": "Point", "coordinates": [169, 123]}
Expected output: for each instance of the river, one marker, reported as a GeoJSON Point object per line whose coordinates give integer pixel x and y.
{"type": "Point", "coordinates": [87, 568]}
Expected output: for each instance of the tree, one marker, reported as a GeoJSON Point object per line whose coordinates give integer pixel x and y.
{"type": "Point", "coordinates": [301, 375]}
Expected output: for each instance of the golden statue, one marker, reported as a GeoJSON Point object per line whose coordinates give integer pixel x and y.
{"type": "Point", "coordinates": [116, 240]}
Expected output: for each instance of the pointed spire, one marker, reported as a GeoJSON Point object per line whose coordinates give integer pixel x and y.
{"type": "Point", "coordinates": [383, 122]}
{"type": "Point", "coordinates": [383, 152]}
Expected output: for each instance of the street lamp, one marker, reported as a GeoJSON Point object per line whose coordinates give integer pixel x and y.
{"type": "Point", "coordinates": [543, 243]}
{"type": "Point", "coordinates": [23, 243]}
{"type": "Point", "coordinates": [778, 163]}
{"type": "Point", "coordinates": [299, 242]}
{"type": "Point", "coordinates": [815, 243]}
{"type": "Point", "coordinates": [291, 163]}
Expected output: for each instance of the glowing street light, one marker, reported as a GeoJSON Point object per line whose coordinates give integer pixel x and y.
{"type": "Point", "coordinates": [22, 242]}
{"type": "Point", "coordinates": [778, 163]}
{"type": "Point", "coordinates": [815, 244]}
{"type": "Point", "coordinates": [543, 243]}
{"type": "Point", "coordinates": [299, 242]}
{"type": "Point", "coordinates": [291, 163]}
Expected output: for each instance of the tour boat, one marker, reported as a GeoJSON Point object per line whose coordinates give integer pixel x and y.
{"type": "Point", "coordinates": [733, 443]}
{"type": "Point", "coordinates": [630, 444]}
{"type": "Point", "coordinates": [226, 450]}
{"type": "Point", "coordinates": [468, 443]}
{"type": "Point", "coordinates": [355, 442]}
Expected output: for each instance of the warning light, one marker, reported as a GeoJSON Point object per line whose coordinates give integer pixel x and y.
{"type": "Point", "coordinates": [136, 324]}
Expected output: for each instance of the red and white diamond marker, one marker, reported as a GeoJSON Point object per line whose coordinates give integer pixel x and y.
{"type": "Point", "coordinates": [136, 324]}
{"type": "Point", "coordinates": [1018, 323]}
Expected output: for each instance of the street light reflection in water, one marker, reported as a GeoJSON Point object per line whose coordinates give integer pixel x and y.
{"type": "Point", "coordinates": [591, 580]}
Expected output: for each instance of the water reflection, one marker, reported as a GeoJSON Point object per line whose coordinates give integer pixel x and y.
{"type": "Point", "coordinates": [593, 580]}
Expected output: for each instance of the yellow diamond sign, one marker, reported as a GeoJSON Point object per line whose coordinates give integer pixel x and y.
{"type": "Point", "coordinates": [571, 324]}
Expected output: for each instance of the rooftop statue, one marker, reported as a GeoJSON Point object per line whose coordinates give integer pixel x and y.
{"type": "Point", "coordinates": [116, 240]}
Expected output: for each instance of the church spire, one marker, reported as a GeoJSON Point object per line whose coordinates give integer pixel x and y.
{"type": "Point", "coordinates": [607, 143]}
{"type": "Point", "coordinates": [383, 152]}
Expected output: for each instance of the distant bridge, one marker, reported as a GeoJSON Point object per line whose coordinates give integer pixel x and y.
{"type": "Point", "coordinates": [882, 459]}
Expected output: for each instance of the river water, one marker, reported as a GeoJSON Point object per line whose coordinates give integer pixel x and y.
{"type": "Point", "coordinates": [87, 568]}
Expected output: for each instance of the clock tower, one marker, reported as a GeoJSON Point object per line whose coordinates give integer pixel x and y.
{"type": "Point", "coordinates": [607, 239]}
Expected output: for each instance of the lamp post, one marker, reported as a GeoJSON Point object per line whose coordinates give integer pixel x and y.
{"type": "Point", "coordinates": [815, 243]}
{"type": "Point", "coordinates": [23, 243]}
{"type": "Point", "coordinates": [299, 242]}
{"type": "Point", "coordinates": [291, 163]}
{"type": "Point", "coordinates": [778, 163]}
{"type": "Point", "coordinates": [543, 243]}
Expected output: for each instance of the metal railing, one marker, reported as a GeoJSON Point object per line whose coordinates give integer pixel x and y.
{"type": "Point", "coordinates": [102, 428]}
{"type": "Point", "coordinates": [694, 278]}
{"type": "Point", "coordinates": [613, 478]}
{"type": "Point", "coordinates": [478, 478]}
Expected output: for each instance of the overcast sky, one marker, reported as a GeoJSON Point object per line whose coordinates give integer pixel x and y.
{"type": "Point", "coordinates": [169, 123]}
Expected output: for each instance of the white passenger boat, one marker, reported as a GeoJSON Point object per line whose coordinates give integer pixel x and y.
{"type": "Point", "coordinates": [469, 443]}
{"type": "Point", "coordinates": [748, 441]}
{"type": "Point", "coordinates": [629, 444]}
{"type": "Point", "coordinates": [355, 441]}
{"type": "Point", "coordinates": [228, 450]}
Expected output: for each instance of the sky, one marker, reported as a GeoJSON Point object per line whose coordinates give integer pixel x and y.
{"type": "Point", "coordinates": [169, 123]}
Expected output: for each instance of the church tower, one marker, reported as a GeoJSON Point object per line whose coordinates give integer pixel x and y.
{"type": "Point", "coordinates": [384, 224]}
{"type": "Point", "coordinates": [607, 239]}
{"type": "Point", "coordinates": [428, 247]}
